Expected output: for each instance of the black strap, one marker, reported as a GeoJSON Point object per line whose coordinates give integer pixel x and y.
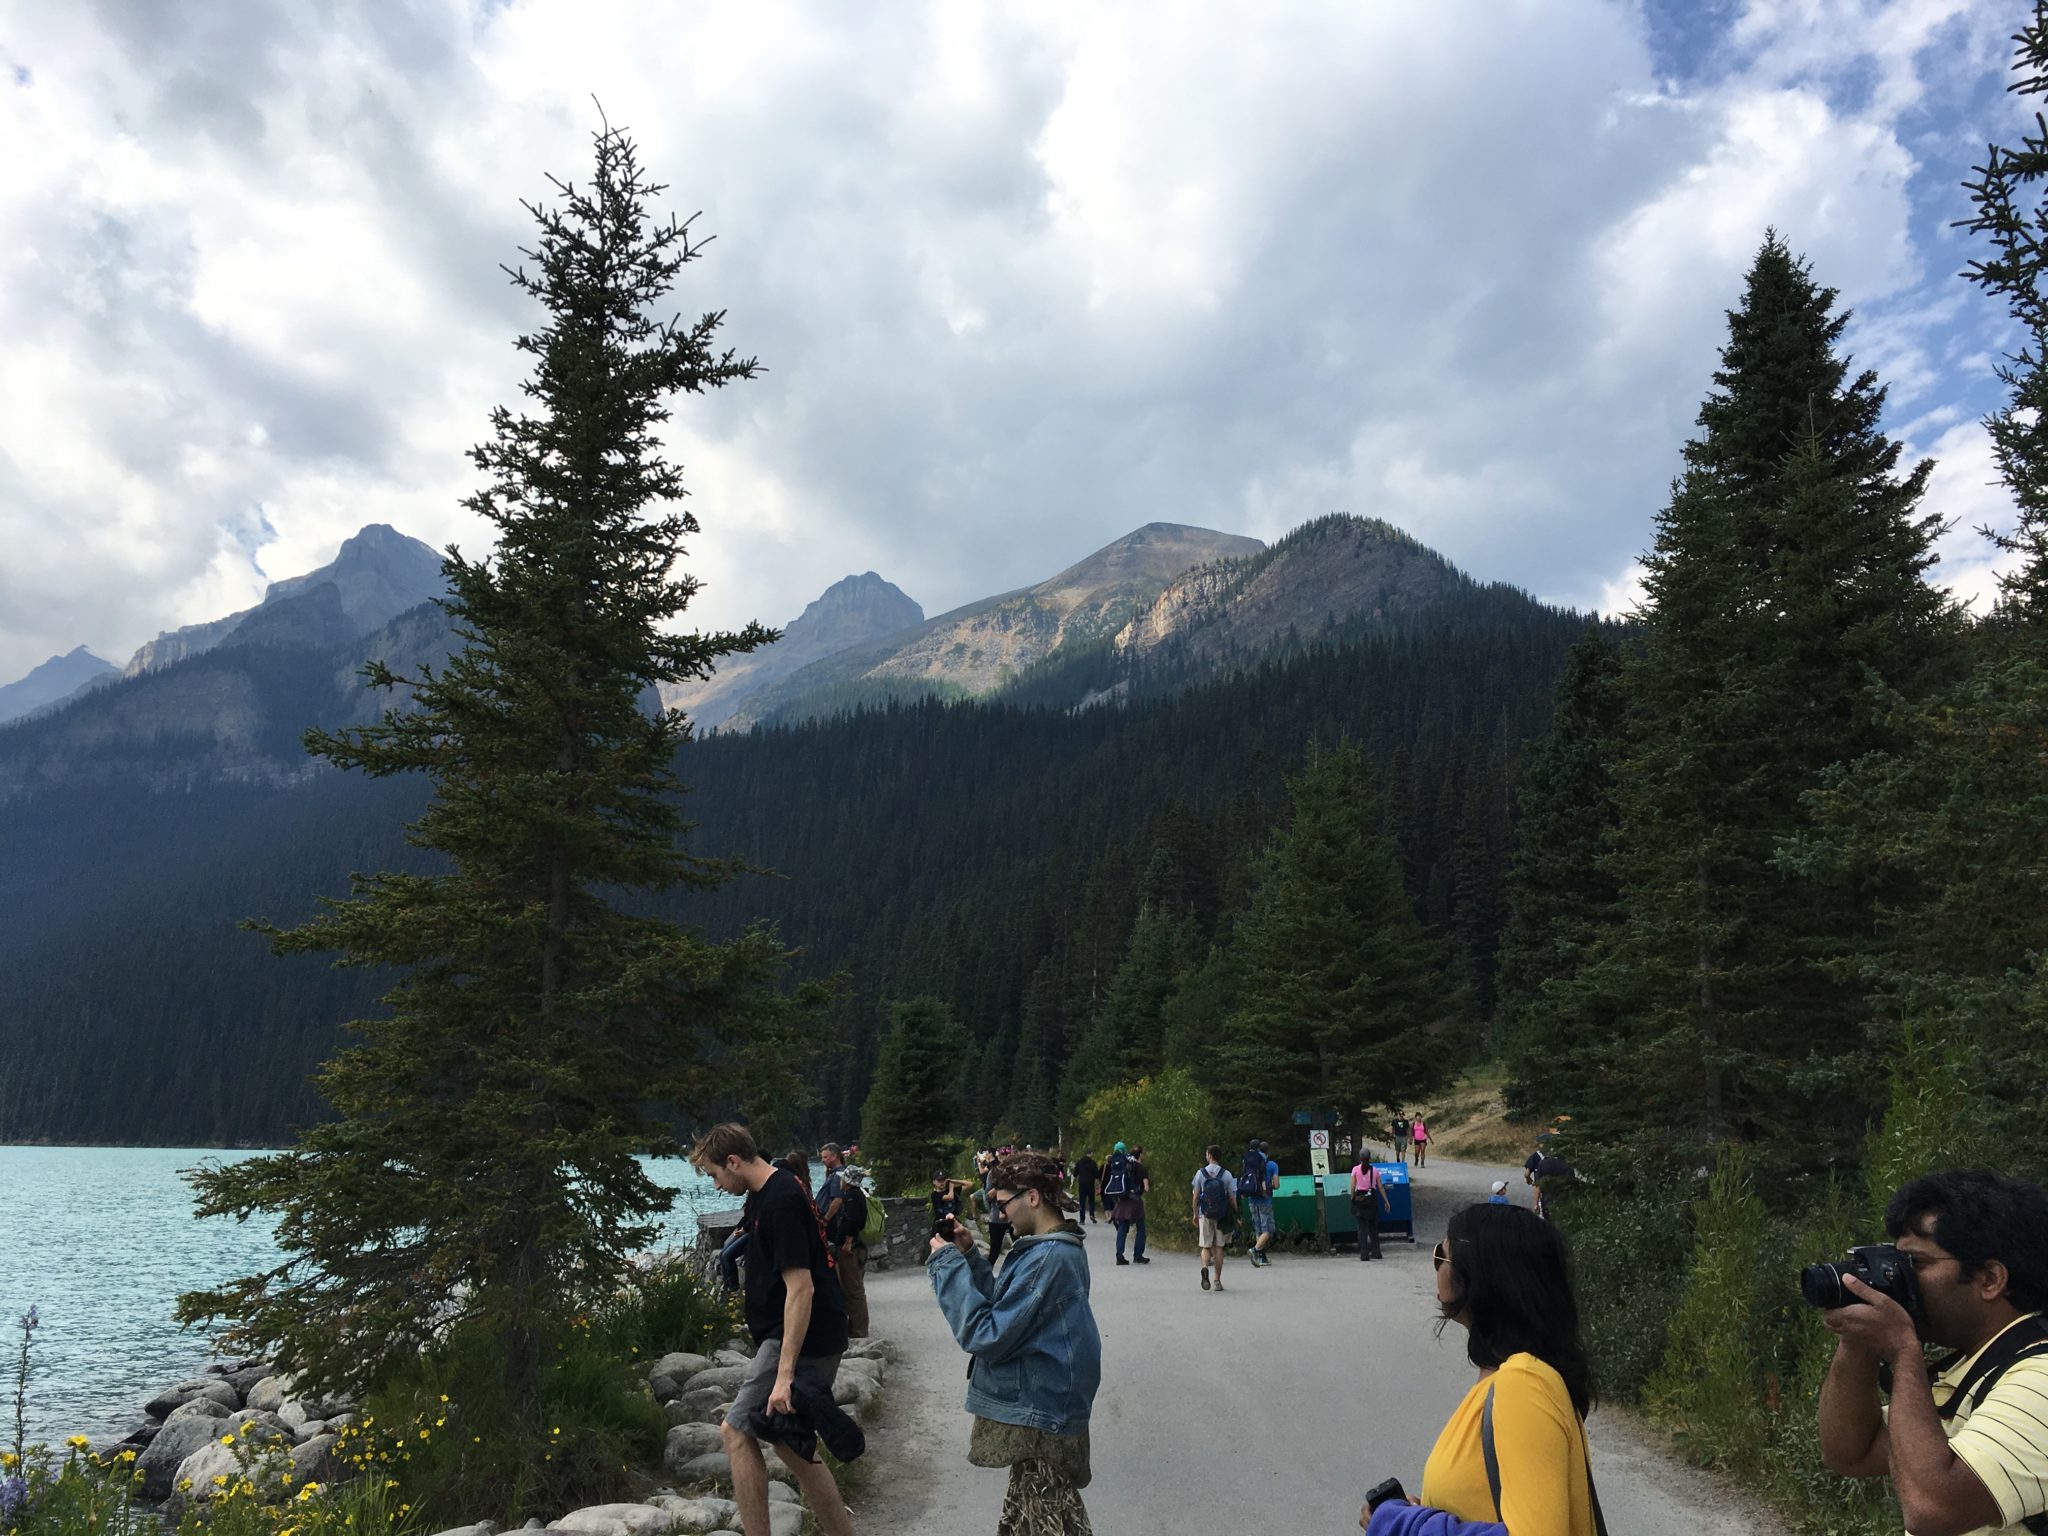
{"type": "Point", "coordinates": [2028, 1336]}
{"type": "Point", "coordinates": [1486, 1449]}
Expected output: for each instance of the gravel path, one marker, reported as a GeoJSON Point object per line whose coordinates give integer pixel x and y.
{"type": "Point", "coordinates": [1328, 1363]}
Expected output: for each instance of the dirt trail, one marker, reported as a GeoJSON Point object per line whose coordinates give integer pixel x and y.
{"type": "Point", "coordinates": [1332, 1364]}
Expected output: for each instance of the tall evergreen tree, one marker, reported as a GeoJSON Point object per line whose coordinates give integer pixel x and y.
{"type": "Point", "coordinates": [1343, 999]}
{"type": "Point", "coordinates": [1561, 895]}
{"type": "Point", "coordinates": [1789, 567]}
{"type": "Point", "coordinates": [1126, 1039]}
{"type": "Point", "coordinates": [484, 1168]}
{"type": "Point", "coordinates": [916, 1103]}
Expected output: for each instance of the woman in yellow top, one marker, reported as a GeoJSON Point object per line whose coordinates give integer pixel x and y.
{"type": "Point", "coordinates": [1500, 1274]}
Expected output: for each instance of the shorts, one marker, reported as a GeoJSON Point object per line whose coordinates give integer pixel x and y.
{"type": "Point", "coordinates": [752, 1396]}
{"type": "Point", "coordinates": [1262, 1217]}
{"type": "Point", "coordinates": [1210, 1233]}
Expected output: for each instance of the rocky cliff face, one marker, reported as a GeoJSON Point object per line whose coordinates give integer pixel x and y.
{"type": "Point", "coordinates": [856, 611]}
{"type": "Point", "coordinates": [377, 575]}
{"type": "Point", "coordinates": [976, 649]}
{"type": "Point", "coordinates": [1335, 572]}
{"type": "Point", "coordinates": [52, 682]}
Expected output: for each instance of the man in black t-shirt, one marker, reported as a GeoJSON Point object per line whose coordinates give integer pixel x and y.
{"type": "Point", "coordinates": [792, 1294]}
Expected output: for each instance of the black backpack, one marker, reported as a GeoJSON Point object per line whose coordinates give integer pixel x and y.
{"type": "Point", "coordinates": [1252, 1182]}
{"type": "Point", "coordinates": [1116, 1178]}
{"type": "Point", "coordinates": [1213, 1199]}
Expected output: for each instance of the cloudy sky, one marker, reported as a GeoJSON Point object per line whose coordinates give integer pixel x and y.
{"type": "Point", "coordinates": [1024, 276]}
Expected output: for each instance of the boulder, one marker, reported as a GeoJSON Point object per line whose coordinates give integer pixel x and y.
{"type": "Point", "coordinates": [269, 1393]}
{"type": "Point", "coordinates": [700, 1399]}
{"type": "Point", "coordinates": [172, 1398]}
{"type": "Point", "coordinates": [711, 1467]}
{"type": "Point", "coordinates": [678, 1366]}
{"type": "Point", "coordinates": [868, 1366]}
{"type": "Point", "coordinates": [728, 1377]}
{"type": "Point", "coordinates": [254, 1424]}
{"type": "Point", "coordinates": [870, 1349]}
{"type": "Point", "coordinates": [676, 1413]}
{"type": "Point", "coordinates": [293, 1412]}
{"type": "Point", "coordinates": [782, 1493]}
{"type": "Point", "coordinates": [328, 1407]}
{"type": "Point", "coordinates": [854, 1389]}
{"type": "Point", "coordinates": [199, 1408]}
{"type": "Point", "coordinates": [312, 1429]}
{"type": "Point", "coordinates": [785, 1519]}
{"type": "Point", "coordinates": [315, 1461]}
{"type": "Point", "coordinates": [204, 1465]}
{"type": "Point", "coordinates": [177, 1439]}
{"type": "Point", "coordinates": [617, 1520]}
{"type": "Point", "coordinates": [244, 1378]}
{"type": "Point", "coordinates": [729, 1356]}
{"type": "Point", "coordinates": [704, 1514]}
{"type": "Point", "coordinates": [688, 1441]}
{"type": "Point", "coordinates": [664, 1387]}
{"type": "Point", "coordinates": [481, 1528]}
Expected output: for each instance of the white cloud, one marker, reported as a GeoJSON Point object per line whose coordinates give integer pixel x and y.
{"type": "Point", "coordinates": [1024, 276]}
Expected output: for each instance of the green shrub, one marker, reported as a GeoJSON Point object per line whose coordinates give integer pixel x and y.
{"type": "Point", "coordinates": [1174, 1121]}
{"type": "Point", "coordinates": [1630, 1242]}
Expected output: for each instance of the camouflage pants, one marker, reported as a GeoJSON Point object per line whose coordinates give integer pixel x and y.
{"type": "Point", "coordinates": [1042, 1502]}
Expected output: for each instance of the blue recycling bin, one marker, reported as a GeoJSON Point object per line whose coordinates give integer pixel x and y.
{"type": "Point", "coordinates": [1398, 1219]}
{"type": "Point", "coordinates": [1294, 1204]}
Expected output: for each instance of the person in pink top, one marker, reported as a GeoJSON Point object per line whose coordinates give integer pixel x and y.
{"type": "Point", "coordinates": [1368, 1199]}
{"type": "Point", "coordinates": [1420, 1137]}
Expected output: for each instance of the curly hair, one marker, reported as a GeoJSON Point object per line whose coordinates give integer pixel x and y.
{"type": "Point", "coordinates": [1979, 1216]}
{"type": "Point", "coordinates": [1021, 1171]}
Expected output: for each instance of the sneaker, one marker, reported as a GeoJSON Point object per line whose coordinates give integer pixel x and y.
{"type": "Point", "coordinates": [1205, 1277]}
{"type": "Point", "coordinates": [1122, 1260]}
{"type": "Point", "coordinates": [1141, 1259]}
{"type": "Point", "coordinates": [1219, 1285]}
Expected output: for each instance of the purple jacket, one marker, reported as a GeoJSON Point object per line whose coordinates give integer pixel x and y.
{"type": "Point", "coordinates": [1396, 1519]}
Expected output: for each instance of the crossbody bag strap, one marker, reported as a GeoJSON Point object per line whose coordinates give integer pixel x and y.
{"type": "Point", "coordinates": [2028, 1336]}
{"type": "Point", "coordinates": [1492, 1458]}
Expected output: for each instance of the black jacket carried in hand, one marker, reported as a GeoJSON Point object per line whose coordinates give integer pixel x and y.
{"type": "Point", "coordinates": [816, 1418]}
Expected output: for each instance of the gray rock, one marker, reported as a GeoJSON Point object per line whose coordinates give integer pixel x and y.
{"type": "Point", "coordinates": [703, 1514]}
{"type": "Point", "coordinates": [727, 1376]}
{"type": "Point", "coordinates": [872, 1368]}
{"type": "Point", "coordinates": [315, 1461]}
{"type": "Point", "coordinates": [204, 1465]}
{"type": "Point", "coordinates": [293, 1412]}
{"type": "Point", "coordinates": [676, 1413]}
{"type": "Point", "coordinates": [269, 1393]}
{"type": "Point", "coordinates": [171, 1398]}
{"type": "Point", "coordinates": [617, 1520]}
{"type": "Point", "coordinates": [312, 1429]}
{"type": "Point", "coordinates": [731, 1357]}
{"type": "Point", "coordinates": [255, 1424]}
{"type": "Point", "coordinates": [699, 1399]}
{"type": "Point", "coordinates": [689, 1441]}
{"type": "Point", "coordinates": [782, 1493]}
{"type": "Point", "coordinates": [481, 1528]}
{"type": "Point", "coordinates": [744, 1348]}
{"type": "Point", "coordinates": [854, 1389]}
{"type": "Point", "coordinates": [244, 1379]}
{"type": "Point", "coordinates": [785, 1519]}
{"type": "Point", "coordinates": [199, 1408]}
{"type": "Point", "coordinates": [679, 1366]}
{"type": "Point", "coordinates": [178, 1439]}
{"type": "Point", "coordinates": [870, 1349]}
{"type": "Point", "coordinates": [712, 1467]}
{"type": "Point", "coordinates": [664, 1387]}
{"type": "Point", "coordinates": [328, 1407]}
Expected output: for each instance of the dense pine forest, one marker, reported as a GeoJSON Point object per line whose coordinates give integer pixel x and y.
{"type": "Point", "coordinates": [996, 856]}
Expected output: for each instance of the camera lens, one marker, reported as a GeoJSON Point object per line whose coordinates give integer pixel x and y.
{"type": "Point", "coordinates": [1821, 1285]}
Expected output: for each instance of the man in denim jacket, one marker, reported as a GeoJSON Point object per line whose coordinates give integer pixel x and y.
{"type": "Point", "coordinates": [1036, 1356]}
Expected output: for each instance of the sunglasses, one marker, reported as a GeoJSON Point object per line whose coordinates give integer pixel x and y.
{"type": "Point", "coordinates": [1441, 1254]}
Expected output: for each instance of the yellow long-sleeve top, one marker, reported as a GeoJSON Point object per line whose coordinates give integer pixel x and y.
{"type": "Point", "coordinates": [1544, 1482]}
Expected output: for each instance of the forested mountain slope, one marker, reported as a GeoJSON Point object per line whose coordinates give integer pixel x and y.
{"type": "Point", "coordinates": [990, 854]}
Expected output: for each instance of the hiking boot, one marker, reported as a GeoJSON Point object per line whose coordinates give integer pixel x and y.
{"type": "Point", "coordinates": [1122, 1260]}
{"type": "Point", "coordinates": [1141, 1259]}
{"type": "Point", "coordinates": [1205, 1277]}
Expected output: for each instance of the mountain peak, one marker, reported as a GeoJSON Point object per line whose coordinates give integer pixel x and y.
{"type": "Point", "coordinates": [55, 680]}
{"type": "Point", "coordinates": [1150, 556]}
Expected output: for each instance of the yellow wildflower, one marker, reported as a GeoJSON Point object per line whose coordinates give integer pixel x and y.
{"type": "Point", "coordinates": [8, 1458]}
{"type": "Point", "coordinates": [219, 1481]}
{"type": "Point", "coordinates": [287, 1483]}
{"type": "Point", "coordinates": [228, 1438]}
{"type": "Point", "coordinates": [127, 1455]}
{"type": "Point", "coordinates": [444, 1397]}
{"type": "Point", "coordinates": [308, 1491]}
{"type": "Point", "coordinates": [426, 1434]}
{"type": "Point", "coordinates": [78, 1442]}
{"type": "Point", "coordinates": [184, 1485]}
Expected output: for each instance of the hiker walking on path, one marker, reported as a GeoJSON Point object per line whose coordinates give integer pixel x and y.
{"type": "Point", "coordinates": [1141, 1176]}
{"type": "Point", "coordinates": [850, 1238]}
{"type": "Point", "coordinates": [1403, 1129]}
{"type": "Point", "coordinates": [1086, 1172]}
{"type": "Point", "coordinates": [1255, 1183]}
{"type": "Point", "coordinates": [1514, 1454]}
{"type": "Point", "coordinates": [1419, 1134]}
{"type": "Point", "coordinates": [1214, 1212]}
{"type": "Point", "coordinates": [1368, 1200]}
{"type": "Point", "coordinates": [1035, 1355]}
{"type": "Point", "coordinates": [1123, 1188]}
{"type": "Point", "coordinates": [797, 1316]}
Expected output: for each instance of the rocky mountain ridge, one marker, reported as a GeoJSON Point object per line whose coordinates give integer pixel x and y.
{"type": "Point", "coordinates": [53, 682]}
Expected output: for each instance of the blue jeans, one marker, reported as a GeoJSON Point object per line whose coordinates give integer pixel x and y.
{"type": "Point", "coordinates": [1124, 1227]}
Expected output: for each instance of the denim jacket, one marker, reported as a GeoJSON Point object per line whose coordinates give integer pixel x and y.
{"type": "Point", "coordinates": [1037, 1358]}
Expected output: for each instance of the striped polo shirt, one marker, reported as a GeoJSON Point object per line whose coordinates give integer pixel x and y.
{"type": "Point", "coordinates": [2004, 1440]}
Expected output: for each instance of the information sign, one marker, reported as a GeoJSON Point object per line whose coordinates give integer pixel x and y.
{"type": "Point", "coordinates": [1319, 1141]}
{"type": "Point", "coordinates": [1318, 1161]}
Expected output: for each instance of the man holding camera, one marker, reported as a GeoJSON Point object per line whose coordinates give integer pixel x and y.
{"type": "Point", "coordinates": [1966, 1448]}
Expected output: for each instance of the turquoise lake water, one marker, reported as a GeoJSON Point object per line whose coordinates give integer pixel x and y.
{"type": "Point", "coordinates": [102, 1240]}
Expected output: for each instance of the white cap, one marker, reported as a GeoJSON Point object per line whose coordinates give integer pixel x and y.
{"type": "Point", "coordinates": [1500, 1186]}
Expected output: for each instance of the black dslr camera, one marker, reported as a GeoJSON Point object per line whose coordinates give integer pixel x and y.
{"type": "Point", "coordinates": [1878, 1265]}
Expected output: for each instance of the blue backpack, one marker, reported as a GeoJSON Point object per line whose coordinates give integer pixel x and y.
{"type": "Point", "coordinates": [1213, 1199]}
{"type": "Point", "coordinates": [1251, 1183]}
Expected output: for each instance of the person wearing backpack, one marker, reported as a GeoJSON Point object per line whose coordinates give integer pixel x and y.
{"type": "Point", "coordinates": [1123, 1194]}
{"type": "Point", "coordinates": [1965, 1449]}
{"type": "Point", "coordinates": [1255, 1183]}
{"type": "Point", "coordinates": [1214, 1195]}
{"type": "Point", "coordinates": [1403, 1129]}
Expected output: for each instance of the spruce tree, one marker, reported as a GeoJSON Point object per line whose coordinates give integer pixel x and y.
{"type": "Point", "coordinates": [484, 1166]}
{"type": "Point", "coordinates": [916, 1104]}
{"type": "Point", "coordinates": [1343, 1000]}
{"type": "Point", "coordinates": [1561, 896]}
{"type": "Point", "coordinates": [1788, 571]}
